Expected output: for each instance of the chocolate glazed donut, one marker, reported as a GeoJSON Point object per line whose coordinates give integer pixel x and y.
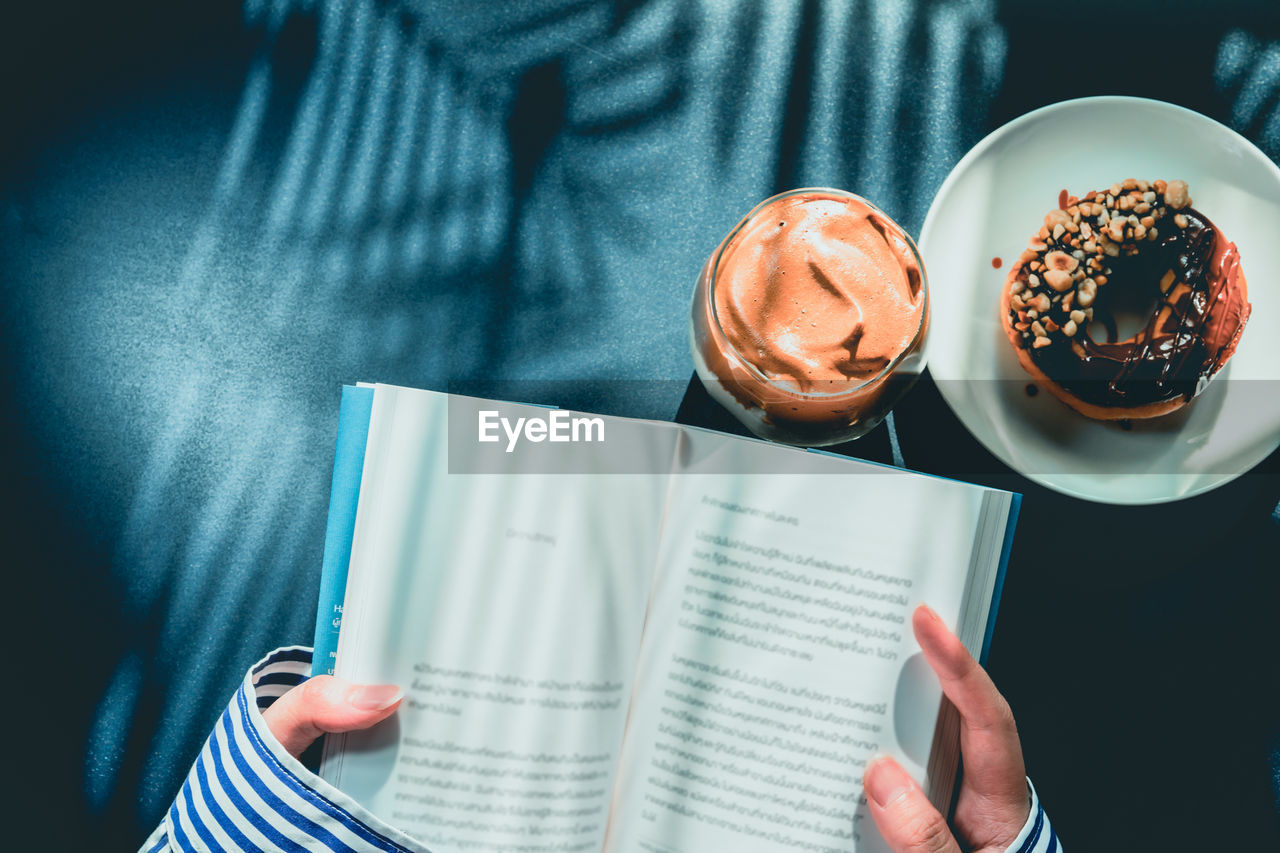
{"type": "Point", "coordinates": [1130, 243]}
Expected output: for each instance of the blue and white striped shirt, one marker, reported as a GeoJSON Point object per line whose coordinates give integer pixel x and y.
{"type": "Point", "coordinates": [244, 792]}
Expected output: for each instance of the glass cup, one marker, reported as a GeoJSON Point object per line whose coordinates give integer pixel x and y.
{"type": "Point", "coordinates": [819, 378]}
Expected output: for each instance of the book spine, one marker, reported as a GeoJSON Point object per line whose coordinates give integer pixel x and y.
{"type": "Point", "coordinates": [344, 494]}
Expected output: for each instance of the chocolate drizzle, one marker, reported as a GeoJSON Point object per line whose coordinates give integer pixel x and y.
{"type": "Point", "coordinates": [1189, 335]}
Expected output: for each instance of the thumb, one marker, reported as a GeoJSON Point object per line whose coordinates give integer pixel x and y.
{"type": "Point", "coordinates": [903, 814]}
{"type": "Point", "coordinates": [327, 704]}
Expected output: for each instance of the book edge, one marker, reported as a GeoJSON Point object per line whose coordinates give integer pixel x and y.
{"type": "Point", "coordinates": [354, 412]}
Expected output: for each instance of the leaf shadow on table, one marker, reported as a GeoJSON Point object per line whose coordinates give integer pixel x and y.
{"type": "Point", "coordinates": [382, 209]}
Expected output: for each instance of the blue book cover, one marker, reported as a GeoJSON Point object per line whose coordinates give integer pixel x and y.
{"type": "Point", "coordinates": [1005, 549]}
{"type": "Point", "coordinates": [344, 495]}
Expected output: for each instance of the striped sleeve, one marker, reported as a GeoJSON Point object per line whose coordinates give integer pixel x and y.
{"type": "Point", "coordinates": [1037, 836]}
{"type": "Point", "coordinates": [244, 792]}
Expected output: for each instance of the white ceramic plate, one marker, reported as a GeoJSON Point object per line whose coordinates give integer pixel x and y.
{"type": "Point", "coordinates": [992, 203]}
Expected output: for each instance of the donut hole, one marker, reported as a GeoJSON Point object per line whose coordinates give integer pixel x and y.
{"type": "Point", "coordinates": [1121, 312]}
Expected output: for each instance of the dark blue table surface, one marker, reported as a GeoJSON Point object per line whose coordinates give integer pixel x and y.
{"type": "Point", "coordinates": [215, 214]}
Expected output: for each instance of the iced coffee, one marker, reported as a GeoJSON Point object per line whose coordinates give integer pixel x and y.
{"type": "Point", "coordinates": [809, 319]}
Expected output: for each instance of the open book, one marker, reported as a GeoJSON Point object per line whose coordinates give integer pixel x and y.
{"type": "Point", "coordinates": [651, 638]}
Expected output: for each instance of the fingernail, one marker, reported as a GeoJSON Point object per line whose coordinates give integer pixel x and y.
{"type": "Point", "coordinates": [929, 612]}
{"type": "Point", "coordinates": [375, 697]}
{"type": "Point", "coordinates": [885, 780]}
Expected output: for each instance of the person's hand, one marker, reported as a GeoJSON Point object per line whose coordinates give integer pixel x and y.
{"type": "Point", "coordinates": [994, 802]}
{"type": "Point", "coordinates": [326, 704]}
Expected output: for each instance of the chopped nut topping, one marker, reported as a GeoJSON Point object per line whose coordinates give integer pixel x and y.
{"type": "Point", "coordinates": [1056, 217]}
{"type": "Point", "coordinates": [1085, 295]}
{"type": "Point", "coordinates": [1069, 257]}
{"type": "Point", "coordinates": [1061, 261]}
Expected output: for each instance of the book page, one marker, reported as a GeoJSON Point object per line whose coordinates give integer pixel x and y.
{"type": "Point", "coordinates": [778, 655]}
{"type": "Point", "coordinates": [510, 609]}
